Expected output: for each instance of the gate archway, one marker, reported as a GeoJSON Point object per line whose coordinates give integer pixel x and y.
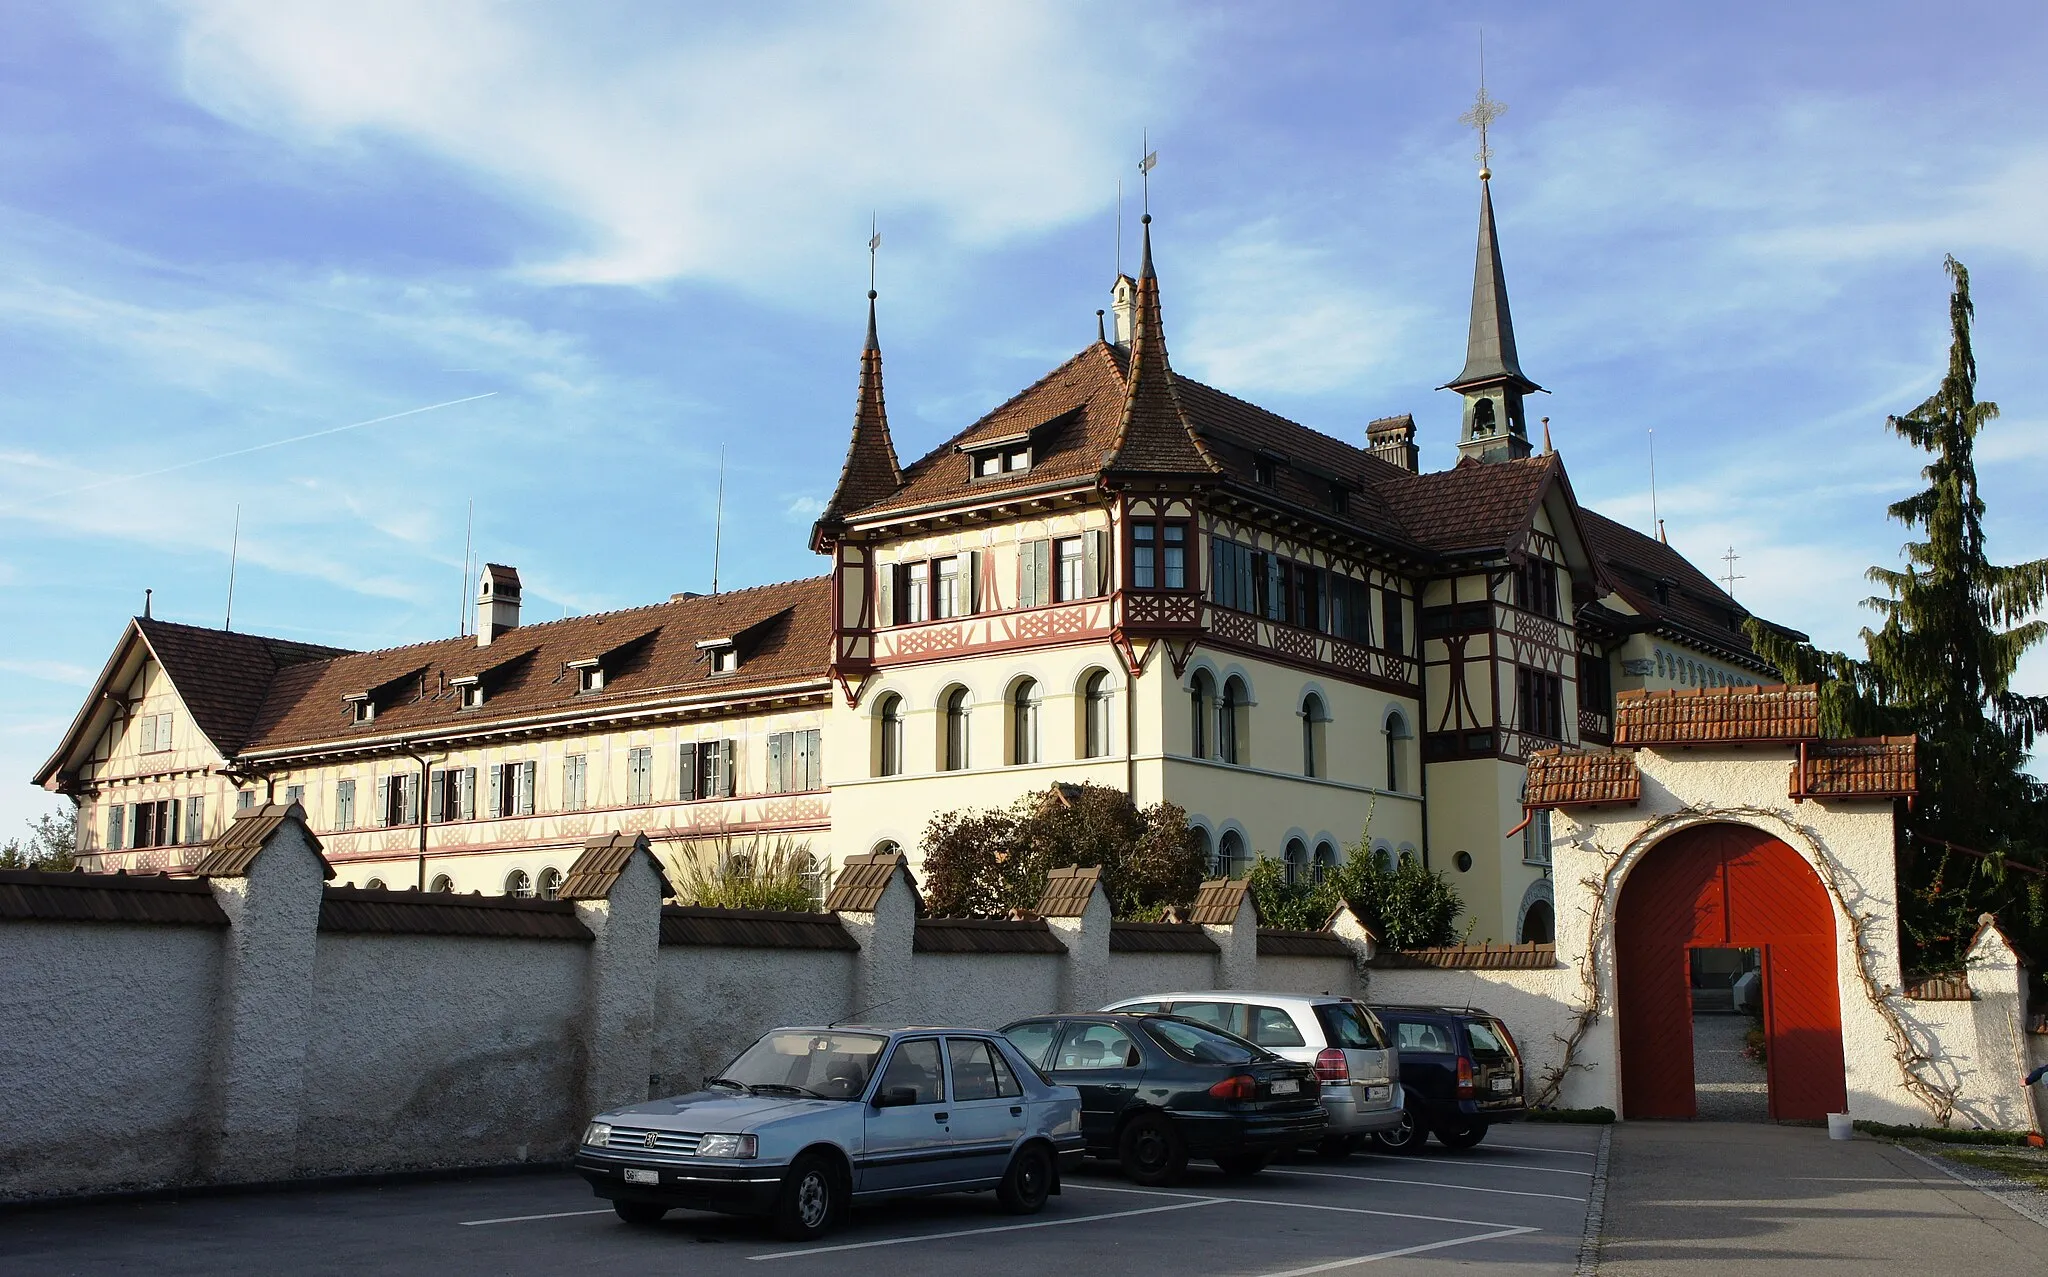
{"type": "Point", "coordinates": [1727, 886]}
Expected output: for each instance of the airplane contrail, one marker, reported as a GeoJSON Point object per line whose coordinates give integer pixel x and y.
{"type": "Point", "coordinates": [274, 443]}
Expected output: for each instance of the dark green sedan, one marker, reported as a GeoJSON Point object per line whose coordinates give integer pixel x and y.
{"type": "Point", "coordinates": [1157, 1090]}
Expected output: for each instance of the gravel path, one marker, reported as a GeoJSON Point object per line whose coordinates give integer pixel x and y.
{"type": "Point", "coordinates": [1727, 1086]}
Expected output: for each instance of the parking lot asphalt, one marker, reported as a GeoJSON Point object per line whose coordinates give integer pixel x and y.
{"type": "Point", "coordinates": [1516, 1204]}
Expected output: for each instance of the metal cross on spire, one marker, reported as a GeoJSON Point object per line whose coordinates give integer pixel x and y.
{"type": "Point", "coordinates": [874, 243]}
{"type": "Point", "coordinates": [1731, 576]}
{"type": "Point", "coordinates": [1485, 110]}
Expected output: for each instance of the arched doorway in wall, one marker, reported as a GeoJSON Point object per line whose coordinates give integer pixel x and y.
{"type": "Point", "coordinates": [1723, 887]}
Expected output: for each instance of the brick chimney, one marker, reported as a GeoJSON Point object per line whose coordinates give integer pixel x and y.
{"type": "Point", "coordinates": [497, 602]}
{"type": "Point", "coordinates": [1392, 439]}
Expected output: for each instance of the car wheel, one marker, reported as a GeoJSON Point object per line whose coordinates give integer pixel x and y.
{"type": "Point", "coordinates": [1462, 1136]}
{"type": "Point", "coordinates": [1243, 1165]}
{"type": "Point", "coordinates": [639, 1214]}
{"type": "Point", "coordinates": [1408, 1136]}
{"type": "Point", "coordinates": [1028, 1182]}
{"type": "Point", "coordinates": [1335, 1147]}
{"type": "Point", "coordinates": [810, 1195]}
{"type": "Point", "coordinates": [1151, 1151]}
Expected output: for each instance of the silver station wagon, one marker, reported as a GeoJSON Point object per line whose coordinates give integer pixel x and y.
{"type": "Point", "coordinates": [808, 1121]}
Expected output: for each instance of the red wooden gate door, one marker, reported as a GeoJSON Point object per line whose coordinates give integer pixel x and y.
{"type": "Point", "coordinates": [1727, 886]}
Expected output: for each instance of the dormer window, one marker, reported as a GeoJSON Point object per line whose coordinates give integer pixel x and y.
{"type": "Point", "coordinates": [471, 690]}
{"type": "Point", "coordinates": [361, 708]}
{"type": "Point", "coordinates": [724, 654]}
{"type": "Point", "coordinates": [589, 675]}
{"type": "Point", "coordinates": [991, 462]}
{"type": "Point", "coordinates": [1265, 470]}
{"type": "Point", "coordinates": [1339, 498]}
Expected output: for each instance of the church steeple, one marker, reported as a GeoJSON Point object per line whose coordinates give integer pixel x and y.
{"type": "Point", "coordinates": [1154, 433]}
{"type": "Point", "coordinates": [1492, 381]}
{"type": "Point", "coordinates": [871, 471]}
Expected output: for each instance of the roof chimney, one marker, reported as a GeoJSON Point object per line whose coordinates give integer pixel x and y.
{"type": "Point", "coordinates": [1123, 303]}
{"type": "Point", "coordinates": [497, 602]}
{"type": "Point", "coordinates": [1392, 439]}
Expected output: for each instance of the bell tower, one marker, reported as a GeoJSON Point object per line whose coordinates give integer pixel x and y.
{"type": "Point", "coordinates": [1495, 426]}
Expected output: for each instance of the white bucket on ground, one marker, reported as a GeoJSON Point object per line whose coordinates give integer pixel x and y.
{"type": "Point", "coordinates": [1840, 1127]}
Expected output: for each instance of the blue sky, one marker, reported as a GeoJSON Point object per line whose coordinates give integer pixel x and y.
{"type": "Point", "coordinates": [641, 232]}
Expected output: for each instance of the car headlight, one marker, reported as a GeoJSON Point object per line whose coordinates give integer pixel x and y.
{"type": "Point", "coordinates": [727, 1146]}
{"type": "Point", "coordinates": [597, 1133]}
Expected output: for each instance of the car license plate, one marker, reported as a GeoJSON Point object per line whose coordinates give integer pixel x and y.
{"type": "Point", "coordinates": [1503, 1084]}
{"type": "Point", "coordinates": [1286, 1086]}
{"type": "Point", "coordinates": [634, 1176]}
{"type": "Point", "coordinates": [1379, 1093]}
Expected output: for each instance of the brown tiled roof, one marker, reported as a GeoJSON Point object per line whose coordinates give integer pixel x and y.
{"type": "Point", "coordinates": [791, 625]}
{"type": "Point", "coordinates": [1159, 937]}
{"type": "Point", "coordinates": [603, 859]}
{"type": "Point", "coordinates": [1569, 778]}
{"type": "Point", "coordinates": [753, 929]}
{"type": "Point", "coordinates": [984, 935]}
{"type": "Point", "coordinates": [38, 895]}
{"type": "Point", "coordinates": [221, 676]}
{"type": "Point", "coordinates": [871, 472]}
{"type": "Point", "coordinates": [1474, 506]}
{"type": "Point", "coordinates": [358, 910]}
{"type": "Point", "coordinates": [1276, 943]}
{"type": "Point", "coordinates": [1718, 716]}
{"type": "Point", "coordinates": [1881, 767]}
{"type": "Point", "coordinates": [1473, 957]}
{"type": "Point", "coordinates": [1938, 986]}
{"type": "Point", "coordinates": [862, 879]}
{"type": "Point", "coordinates": [1068, 890]}
{"type": "Point", "coordinates": [1217, 902]}
{"type": "Point", "coordinates": [235, 848]}
{"type": "Point", "coordinates": [1634, 564]}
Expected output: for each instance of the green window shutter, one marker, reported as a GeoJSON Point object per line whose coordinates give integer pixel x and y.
{"type": "Point", "coordinates": [497, 807]}
{"type": "Point", "coordinates": [523, 788]}
{"type": "Point", "coordinates": [467, 801]}
{"type": "Point", "coordinates": [382, 816]}
{"type": "Point", "coordinates": [437, 796]}
{"type": "Point", "coordinates": [1027, 574]}
{"type": "Point", "coordinates": [686, 765]}
{"type": "Point", "coordinates": [195, 819]}
{"type": "Point", "coordinates": [815, 777]}
{"type": "Point", "coordinates": [778, 774]}
{"type": "Point", "coordinates": [171, 825]}
{"type": "Point", "coordinates": [729, 783]}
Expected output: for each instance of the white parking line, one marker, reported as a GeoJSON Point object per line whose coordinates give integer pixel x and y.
{"type": "Point", "coordinates": [521, 1219]}
{"type": "Point", "coordinates": [1326, 1206]}
{"type": "Point", "coordinates": [1539, 1148]}
{"type": "Point", "coordinates": [981, 1232]}
{"type": "Point", "coordinates": [1335, 1264]}
{"type": "Point", "coordinates": [1466, 1161]}
{"type": "Point", "coordinates": [1425, 1183]}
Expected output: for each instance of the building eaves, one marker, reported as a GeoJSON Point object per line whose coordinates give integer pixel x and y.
{"type": "Point", "coordinates": [37, 895]}
{"type": "Point", "coordinates": [1718, 716]}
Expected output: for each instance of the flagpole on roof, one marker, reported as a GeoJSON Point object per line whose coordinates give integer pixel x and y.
{"type": "Point", "coordinates": [234, 551]}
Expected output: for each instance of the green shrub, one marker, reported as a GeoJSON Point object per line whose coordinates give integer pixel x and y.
{"type": "Point", "coordinates": [729, 873]}
{"type": "Point", "coordinates": [1404, 904]}
{"type": "Point", "coordinates": [1941, 1134]}
{"type": "Point", "coordinates": [1600, 1116]}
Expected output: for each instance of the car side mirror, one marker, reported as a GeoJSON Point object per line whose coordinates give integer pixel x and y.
{"type": "Point", "coordinates": [892, 1097]}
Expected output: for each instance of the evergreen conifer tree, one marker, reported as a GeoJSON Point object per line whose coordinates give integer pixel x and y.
{"type": "Point", "coordinates": [1940, 666]}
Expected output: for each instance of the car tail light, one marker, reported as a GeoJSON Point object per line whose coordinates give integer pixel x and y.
{"type": "Point", "coordinates": [1241, 1087]}
{"type": "Point", "coordinates": [1465, 1088]}
{"type": "Point", "coordinates": [1331, 1066]}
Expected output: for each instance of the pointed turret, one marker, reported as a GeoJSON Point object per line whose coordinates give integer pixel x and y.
{"type": "Point", "coordinates": [1492, 381]}
{"type": "Point", "coordinates": [1154, 434]}
{"type": "Point", "coordinates": [871, 471]}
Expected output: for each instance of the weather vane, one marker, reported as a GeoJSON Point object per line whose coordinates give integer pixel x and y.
{"type": "Point", "coordinates": [1485, 110]}
{"type": "Point", "coordinates": [874, 243]}
{"type": "Point", "coordinates": [1729, 578]}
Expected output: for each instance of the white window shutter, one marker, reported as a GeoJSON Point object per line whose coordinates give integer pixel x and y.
{"type": "Point", "coordinates": [1095, 562]}
{"type": "Point", "coordinates": [971, 592]}
{"type": "Point", "coordinates": [1027, 574]}
{"type": "Point", "coordinates": [163, 731]}
{"type": "Point", "coordinates": [778, 763]}
{"type": "Point", "coordinates": [523, 788]}
{"type": "Point", "coordinates": [466, 804]}
{"type": "Point", "coordinates": [885, 595]}
{"type": "Point", "coordinates": [383, 814]}
{"type": "Point", "coordinates": [497, 791]}
{"type": "Point", "coordinates": [410, 793]}
{"type": "Point", "coordinates": [729, 783]}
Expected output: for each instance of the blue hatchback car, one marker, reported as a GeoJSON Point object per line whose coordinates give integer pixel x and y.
{"type": "Point", "coordinates": [808, 1121]}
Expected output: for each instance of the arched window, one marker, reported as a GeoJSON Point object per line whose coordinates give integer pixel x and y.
{"type": "Point", "coordinates": [1539, 924]}
{"type": "Point", "coordinates": [1024, 722]}
{"type": "Point", "coordinates": [443, 885]}
{"type": "Point", "coordinates": [955, 744]}
{"type": "Point", "coordinates": [1231, 858]}
{"type": "Point", "coordinates": [887, 847]}
{"type": "Point", "coordinates": [550, 883]}
{"type": "Point", "coordinates": [889, 718]}
{"type": "Point", "coordinates": [1295, 858]}
{"type": "Point", "coordinates": [1396, 729]}
{"type": "Point", "coordinates": [1383, 857]}
{"type": "Point", "coordinates": [518, 884]}
{"type": "Point", "coordinates": [1407, 855]}
{"type": "Point", "coordinates": [1326, 859]}
{"type": "Point", "coordinates": [1208, 846]}
{"type": "Point", "coordinates": [1482, 417]}
{"type": "Point", "coordinates": [1095, 715]}
{"type": "Point", "coordinates": [375, 884]}
{"type": "Point", "coordinates": [1202, 700]}
{"type": "Point", "coordinates": [1313, 717]}
{"type": "Point", "coordinates": [1230, 712]}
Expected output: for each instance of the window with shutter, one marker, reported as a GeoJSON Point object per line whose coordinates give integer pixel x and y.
{"type": "Point", "coordinates": [778, 773]}
{"type": "Point", "coordinates": [1027, 574]}
{"type": "Point", "coordinates": [885, 595]}
{"type": "Point", "coordinates": [195, 818]}
{"type": "Point", "coordinates": [411, 790]}
{"type": "Point", "coordinates": [807, 761]}
{"type": "Point", "coordinates": [573, 783]}
{"type": "Point", "coordinates": [728, 781]}
{"type": "Point", "coordinates": [466, 804]}
{"type": "Point", "coordinates": [687, 787]}
{"type": "Point", "coordinates": [497, 796]}
{"type": "Point", "coordinates": [1096, 556]}
{"type": "Point", "coordinates": [345, 804]}
{"type": "Point", "coordinates": [163, 726]}
{"type": "Point", "coordinates": [383, 800]}
{"type": "Point", "coordinates": [523, 789]}
{"type": "Point", "coordinates": [437, 797]}
{"type": "Point", "coordinates": [117, 825]}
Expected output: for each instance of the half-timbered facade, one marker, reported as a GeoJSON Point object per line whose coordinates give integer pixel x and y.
{"type": "Point", "coordinates": [1120, 576]}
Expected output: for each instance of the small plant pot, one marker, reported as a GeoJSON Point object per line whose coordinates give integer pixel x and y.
{"type": "Point", "coordinates": [1840, 1127]}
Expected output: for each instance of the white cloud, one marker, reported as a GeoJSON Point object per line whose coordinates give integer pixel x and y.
{"type": "Point", "coordinates": [742, 151]}
{"type": "Point", "coordinates": [51, 671]}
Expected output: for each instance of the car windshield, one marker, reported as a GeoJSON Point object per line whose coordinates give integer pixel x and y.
{"type": "Point", "coordinates": [1351, 1027]}
{"type": "Point", "coordinates": [1203, 1045]}
{"type": "Point", "coordinates": [823, 1064]}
